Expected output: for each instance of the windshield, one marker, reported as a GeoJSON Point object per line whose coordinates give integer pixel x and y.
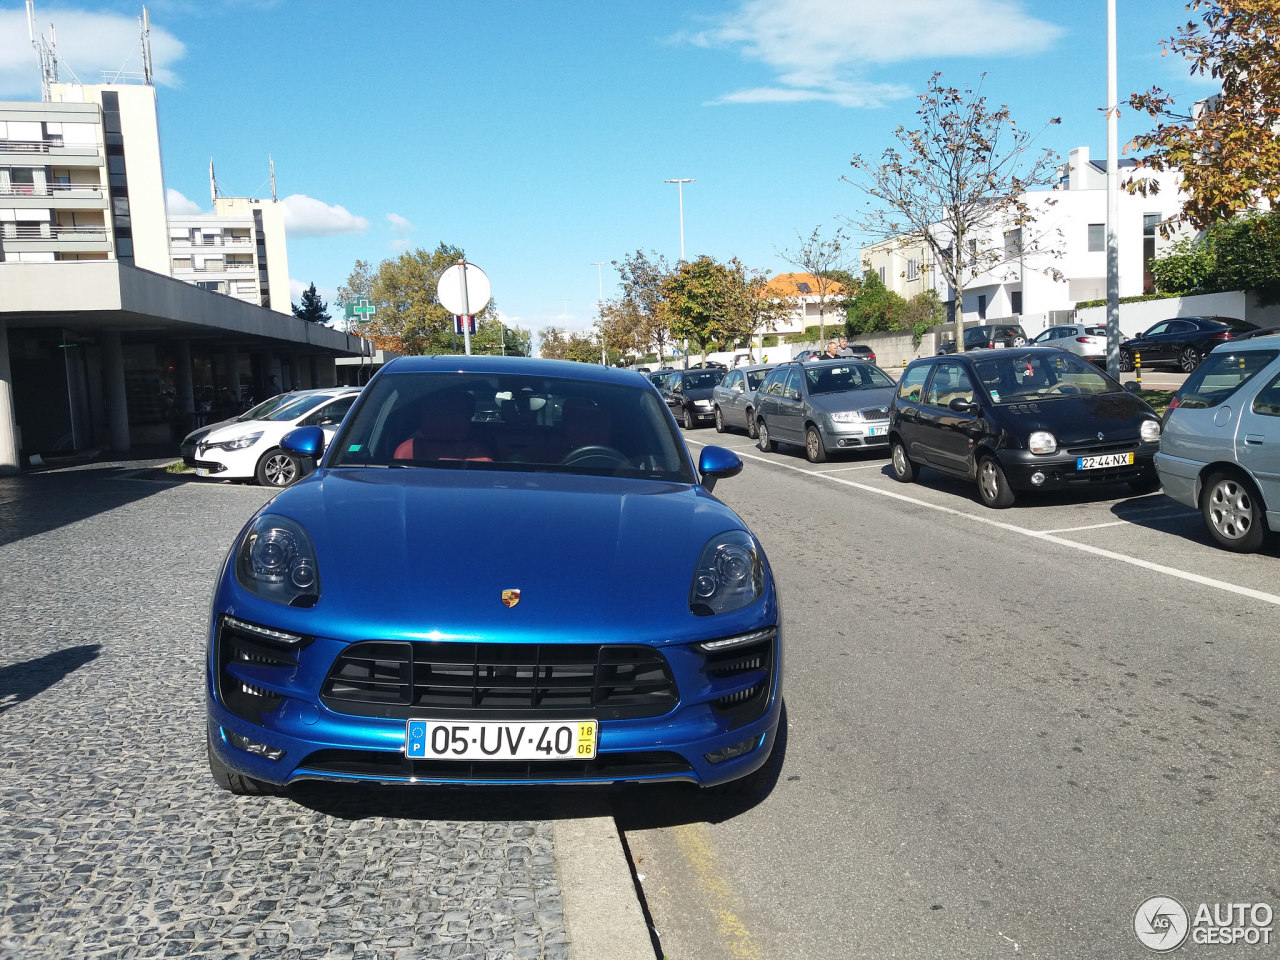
{"type": "Point", "coordinates": [703, 380]}
{"type": "Point", "coordinates": [1220, 375]}
{"type": "Point", "coordinates": [265, 407]}
{"type": "Point", "coordinates": [512, 422]}
{"type": "Point", "coordinates": [295, 409]}
{"type": "Point", "coordinates": [1013, 376]}
{"type": "Point", "coordinates": [842, 377]}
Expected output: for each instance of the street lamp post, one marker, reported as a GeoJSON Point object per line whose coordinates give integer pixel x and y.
{"type": "Point", "coordinates": [680, 186]}
{"type": "Point", "coordinates": [599, 265]}
{"type": "Point", "coordinates": [680, 182]}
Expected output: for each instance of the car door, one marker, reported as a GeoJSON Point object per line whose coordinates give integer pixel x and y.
{"type": "Point", "coordinates": [790, 407]}
{"type": "Point", "coordinates": [946, 435]}
{"type": "Point", "coordinates": [1158, 343]}
{"type": "Point", "coordinates": [731, 393]}
{"type": "Point", "coordinates": [1258, 446]}
{"type": "Point", "coordinates": [905, 415]}
{"type": "Point", "coordinates": [329, 415]}
{"type": "Point", "coordinates": [769, 395]}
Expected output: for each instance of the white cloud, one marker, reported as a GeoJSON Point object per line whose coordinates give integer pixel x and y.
{"type": "Point", "coordinates": [177, 205]}
{"type": "Point", "coordinates": [307, 217]}
{"type": "Point", "coordinates": [297, 287]}
{"type": "Point", "coordinates": [822, 49]}
{"type": "Point", "coordinates": [90, 44]}
{"type": "Point", "coordinates": [399, 225]}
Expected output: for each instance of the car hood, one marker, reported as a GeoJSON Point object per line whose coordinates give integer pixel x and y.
{"type": "Point", "coordinates": [852, 400]}
{"type": "Point", "coordinates": [239, 428]}
{"type": "Point", "coordinates": [429, 552]}
{"type": "Point", "coordinates": [1079, 419]}
{"type": "Point", "coordinates": [699, 393]}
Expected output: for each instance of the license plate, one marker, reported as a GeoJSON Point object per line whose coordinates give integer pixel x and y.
{"type": "Point", "coordinates": [1106, 460]}
{"type": "Point", "coordinates": [500, 740]}
{"type": "Point", "coordinates": [877, 431]}
{"type": "Point", "coordinates": [202, 471]}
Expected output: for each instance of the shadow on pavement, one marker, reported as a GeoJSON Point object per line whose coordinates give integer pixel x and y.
{"type": "Point", "coordinates": [1166, 515]}
{"type": "Point", "coordinates": [22, 681]}
{"type": "Point", "coordinates": [36, 502]}
{"type": "Point", "coordinates": [635, 806]}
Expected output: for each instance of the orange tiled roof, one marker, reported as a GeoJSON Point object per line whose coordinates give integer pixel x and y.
{"type": "Point", "coordinates": [800, 285]}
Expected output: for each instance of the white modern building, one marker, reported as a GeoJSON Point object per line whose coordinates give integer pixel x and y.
{"type": "Point", "coordinates": [1047, 267]}
{"type": "Point", "coordinates": [118, 325]}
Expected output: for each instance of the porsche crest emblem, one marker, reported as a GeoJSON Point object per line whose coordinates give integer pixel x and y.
{"type": "Point", "coordinates": [510, 598]}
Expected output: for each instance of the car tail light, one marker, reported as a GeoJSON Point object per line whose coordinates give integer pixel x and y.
{"type": "Point", "coordinates": [1172, 404]}
{"type": "Point", "coordinates": [1084, 339]}
{"type": "Point", "coordinates": [1224, 336]}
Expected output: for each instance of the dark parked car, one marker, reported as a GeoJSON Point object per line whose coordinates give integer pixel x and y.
{"type": "Point", "coordinates": [862, 352]}
{"type": "Point", "coordinates": [506, 645]}
{"type": "Point", "coordinates": [988, 337]}
{"type": "Point", "coordinates": [1035, 418]}
{"type": "Point", "coordinates": [734, 398]}
{"type": "Point", "coordinates": [823, 406]}
{"type": "Point", "coordinates": [1183, 341]}
{"type": "Point", "coordinates": [688, 395]}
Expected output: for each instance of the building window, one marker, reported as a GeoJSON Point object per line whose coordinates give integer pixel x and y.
{"type": "Point", "coordinates": [913, 269]}
{"type": "Point", "coordinates": [1015, 302]}
{"type": "Point", "coordinates": [1150, 223]}
{"type": "Point", "coordinates": [1097, 237]}
{"type": "Point", "coordinates": [881, 272]}
{"type": "Point", "coordinates": [982, 306]}
{"type": "Point", "coordinates": [1013, 244]}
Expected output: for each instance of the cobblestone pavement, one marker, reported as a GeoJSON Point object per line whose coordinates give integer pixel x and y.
{"type": "Point", "coordinates": [115, 842]}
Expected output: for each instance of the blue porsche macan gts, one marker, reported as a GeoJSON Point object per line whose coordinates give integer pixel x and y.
{"type": "Point", "coordinates": [501, 571]}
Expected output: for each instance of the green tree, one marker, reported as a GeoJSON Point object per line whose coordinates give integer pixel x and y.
{"type": "Point", "coordinates": [876, 307]}
{"type": "Point", "coordinates": [701, 296]}
{"type": "Point", "coordinates": [643, 282]}
{"type": "Point", "coordinates": [494, 337]}
{"type": "Point", "coordinates": [1227, 149]}
{"type": "Point", "coordinates": [752, 308]}
{"type": "Point", "coordinates": [410, 318]}
{"type": "Point", "coordinates": [961, 176]}
{"type": "Point", "coordinates": [313, 309]}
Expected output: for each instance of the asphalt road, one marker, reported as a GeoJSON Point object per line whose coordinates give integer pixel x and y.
{"type": "Point", "coordinates": [1006, 729]}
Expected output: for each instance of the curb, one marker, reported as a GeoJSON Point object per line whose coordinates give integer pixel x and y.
{"type": "Point", "coordinates": [602, 915]}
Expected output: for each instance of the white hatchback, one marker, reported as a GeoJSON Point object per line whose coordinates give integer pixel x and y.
{"type": "Point", "coordinates": [1084, 341]}
{"type": "Point", "coordinates": [251, 450]}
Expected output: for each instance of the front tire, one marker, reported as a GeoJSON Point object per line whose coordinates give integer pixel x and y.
{"type": "Point", "coordinates": [751, 423]}
{"type": "Point", "coordinates": [278, 468]}
{"type": "Point", "coordinates": [763, 440]}
{"type": "Point", "coordinates": [993, 486]}
{"type": "Point", "coordinates": [233, 782]}
{"type": "Point", "coordinates": [904, 470]}
{"type": "Point", "coordinates": [1126, 361]}
{"type": "Point", "coordinates": [1233, 513]}
{"type": "Point", "coordinates": [1188, 359]}
{"type": "Point", "coordinates": [686, 418]}
{"type": "Point", "coordinates": [719, 420]}
{"type": "Point", "coordinates": [814, 450]}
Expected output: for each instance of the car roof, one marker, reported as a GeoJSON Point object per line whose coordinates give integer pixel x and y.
{"type": "Point", "coordinates": [975, 355]}
{"type": "Point", "coordinates": [532, 366]}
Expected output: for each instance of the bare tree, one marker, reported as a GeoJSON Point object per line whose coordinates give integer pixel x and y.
{"type": "Point", "coordinates": [962, 175]}
{"type": "Point", "coordinates": [818, 258]}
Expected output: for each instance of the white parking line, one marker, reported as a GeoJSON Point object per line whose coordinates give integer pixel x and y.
{"type": "Point", "coordinates": [861, 466]}
{"type": "Point", "coordinates": [1048, 537]}
{"type": "Point", "coordinates": [1092, 526]}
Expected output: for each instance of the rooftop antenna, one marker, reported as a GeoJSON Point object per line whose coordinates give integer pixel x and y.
{"type": "Point", "coordinates": [213, 184]}
{"type": "Point", "coordinates": [272, 164]}
{"type": "Point", "coordinates": [145, 22]}
{"type": "Point", "coordinates": [46, 50]}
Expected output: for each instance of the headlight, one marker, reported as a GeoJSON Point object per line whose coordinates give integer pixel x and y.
{"type": "Point", "coordinates": [1150, 431]}
{"type": "Point", "coordinates": [1042, 441]}
{"type": "Point", "coordinates": [847, 416]}
{"type": "Point", "coordinates": [239, 443]}
{"type": "Point", "coordinates": [729, 575]}
{"type": "Point", "coordinates": [277, 561]}
{"type": "Point", "coordinates": [702, 403]}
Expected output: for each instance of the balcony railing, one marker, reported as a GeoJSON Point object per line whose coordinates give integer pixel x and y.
{"type": "Point", "coordinates": [51, 231]}
{"type": "Point", "coordinates": [210, 268]}
{"type": "Point", "coordinates": [50, 189]}
{"type": "Point", "coordinates": [211, 241]}
{"type": "Point", "coordinates": [53, 145]}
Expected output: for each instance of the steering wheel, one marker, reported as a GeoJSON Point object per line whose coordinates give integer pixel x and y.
{"type": "Point", "coordinates": [595, 455]}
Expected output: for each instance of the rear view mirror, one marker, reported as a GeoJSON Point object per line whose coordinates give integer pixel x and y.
{"type": "Point", "coordinates": [961, 405]}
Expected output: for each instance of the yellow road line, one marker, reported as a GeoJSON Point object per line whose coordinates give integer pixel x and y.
{"type": "Point", "coordinates": [695, 844]}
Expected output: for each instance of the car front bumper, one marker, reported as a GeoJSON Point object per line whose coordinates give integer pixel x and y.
{"type": "Point", "coordinates": [1028, 471]}
{"type": "Point", "coordinates": [849, 436]}
{"type": "Point", "coordinates": [312, 741]}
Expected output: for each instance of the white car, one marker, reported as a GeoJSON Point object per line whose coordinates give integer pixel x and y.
{"type": "Point", "coordinates": [1084, 341]}
{"type": "Point", "coordinates": [251, 450]}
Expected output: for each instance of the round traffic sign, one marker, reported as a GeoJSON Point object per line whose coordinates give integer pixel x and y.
{"type": "Point", "coordinates": [463, 289]}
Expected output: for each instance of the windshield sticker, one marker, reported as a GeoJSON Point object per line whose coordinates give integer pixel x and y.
{"type": "Point", "coordinates": [354, 448]}
{"type": "Point", "coordinates": [995, 395]}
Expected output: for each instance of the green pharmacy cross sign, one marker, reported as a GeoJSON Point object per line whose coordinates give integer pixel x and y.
{"type": "Point", "coordinates": [362, 310]}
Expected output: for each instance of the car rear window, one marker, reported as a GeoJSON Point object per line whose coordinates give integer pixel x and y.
{"type": "Point", "coordinates": [1095, 331]}
{"type": "Point", "coordinates": [1221, 375]}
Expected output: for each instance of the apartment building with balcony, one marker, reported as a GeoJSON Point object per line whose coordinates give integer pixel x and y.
{"type": "Point", "coordinates": [237, 250]}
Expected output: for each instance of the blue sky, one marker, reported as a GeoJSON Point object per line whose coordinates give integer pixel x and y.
{"type": "Point", "coordinates": [537, 135]}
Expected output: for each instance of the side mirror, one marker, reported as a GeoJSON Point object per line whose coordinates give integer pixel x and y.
{"type": "Point", "coordinates": [717, 462]}
{"type": "Point", "coordinates": [961, 405]}
{"type": "Point", "coordinates": [308, 444]}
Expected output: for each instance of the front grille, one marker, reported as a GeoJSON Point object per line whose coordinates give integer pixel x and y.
{"type": "Point", "coordinates": [875, 413]}
{"type": "Point", "coordinates": [1096, 448]}
{"type": "Point", "coordinates": [398, 679]}
{"type": "Point", "coordinates": [395, 766]}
